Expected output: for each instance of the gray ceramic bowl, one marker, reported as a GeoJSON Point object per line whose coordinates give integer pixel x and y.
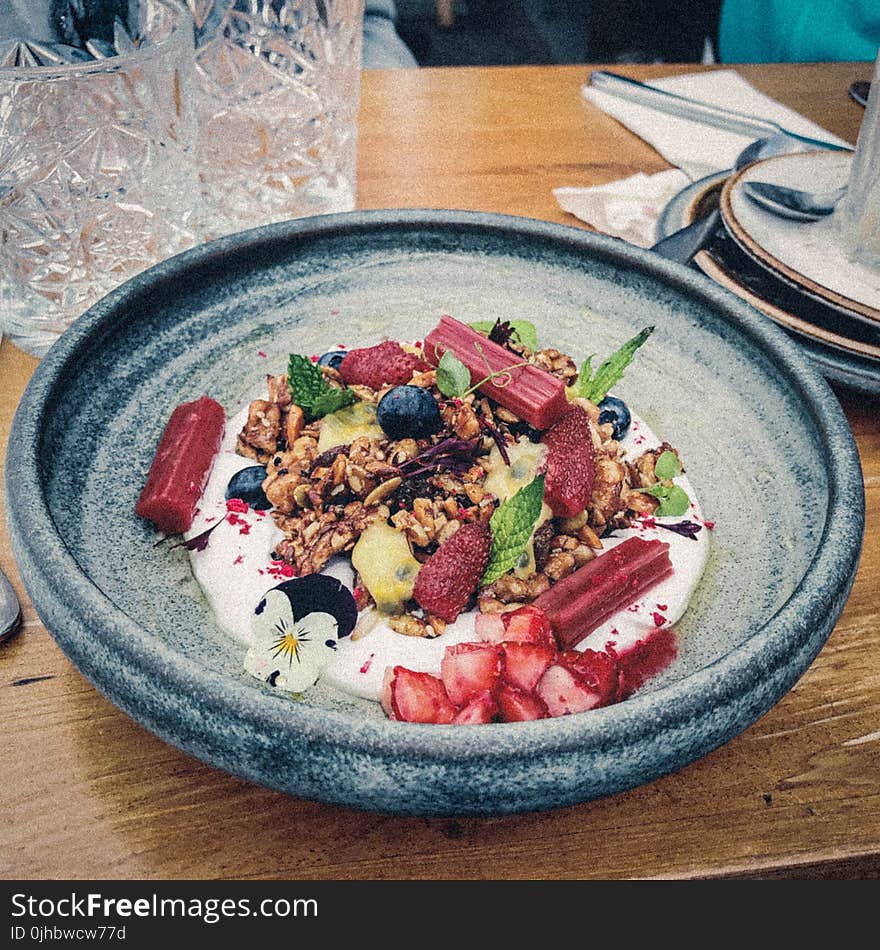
{"type": "Point", "coordinates": [763, 438]}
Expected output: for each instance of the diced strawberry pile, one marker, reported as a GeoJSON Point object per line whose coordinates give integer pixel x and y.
{"type": "Point", "coordinates": [516, 672]}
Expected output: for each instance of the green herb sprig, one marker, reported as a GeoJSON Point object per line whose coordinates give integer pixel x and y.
{"type": "Point", "coordinates": [311, 391]}
{"type": "Point", "coordinates": [454, 378]}
{"type": "Point", "coordinates": [673, 499]}
{"type": "Point", "coordinates": [595, 387]}
{"type": "Point", "coordinates": [512, 525]}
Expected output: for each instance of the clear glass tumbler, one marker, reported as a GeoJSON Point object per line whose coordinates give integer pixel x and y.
{"type": "Point", "coordinates": [278, 89]}
{"type": "Point", "coordinates": [857, 217]}
{"type": "Point", "coordinates": [98, 177]}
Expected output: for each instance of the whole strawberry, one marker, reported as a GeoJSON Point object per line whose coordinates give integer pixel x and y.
{"type": "Point", "coordinates": [386, 364]}
{"type": "Point", "coordinates": [571, 464]}
{"type": "Point", "coordinates": [447, 580]}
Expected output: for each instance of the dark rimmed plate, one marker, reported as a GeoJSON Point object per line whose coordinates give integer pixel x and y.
{"type": "Point", "coordinates": [764, 441]}
{"type": "Point", "coordinates": [840, 344]}
{"type": "Point", "coordinates": [810, 256]}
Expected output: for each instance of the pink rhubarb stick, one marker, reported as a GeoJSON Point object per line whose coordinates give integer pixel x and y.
{"type": "Point", "coordinates": [529, 392]}
{"type": "Point", "coordinates": [587, 598]}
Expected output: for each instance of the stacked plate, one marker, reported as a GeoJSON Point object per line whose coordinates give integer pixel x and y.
{"type": "Point", "coordinates": [796, 273]}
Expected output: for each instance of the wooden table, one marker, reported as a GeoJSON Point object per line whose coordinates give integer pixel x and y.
{"type": "Point", "coordinates": [87, 793]}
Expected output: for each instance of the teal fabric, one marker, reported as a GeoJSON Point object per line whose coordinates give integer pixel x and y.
{"type": "Point", "coordinates": [790, 31]}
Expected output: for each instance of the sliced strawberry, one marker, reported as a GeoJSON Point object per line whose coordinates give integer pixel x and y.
{"type": "Point", "coordinates": [571, 464]}
{"type": "Point", "coordinates": [597, 669]}
{"type": "Point", "coordinates": [564, 691]}
{"type": "Point", "coordinates": [525, 663]}
{"type": "Point", "coordinates": [468, 669]}
{"type": "Point", "coordinates": [489, 627]}
{"type": "Point", "coordinates": [481, 709]}
{"type": "Point", "coordinates": [447, 580]}
{"type": "Point", "coordinates": [415, 697]}
{"type": "Point", "coordinates": [518, 706]}
{"type": "Point", "coordinates": [375, 366]}
{"type": "Point", "coordinates": [528, 624]}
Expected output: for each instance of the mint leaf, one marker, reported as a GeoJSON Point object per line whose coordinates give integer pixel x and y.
{"type": "Point", "coordinates": [311, 391]}
{"type": "Point", "coordinates": [595, 388]}
{"type": "Point", "coordinates": [512, 526]}
{"type": "Point", "coordinates": [525, 331]}
{"type": "Point", "coordinates": [330, 401]}
{"type": "Point", "coordinates": [667, 466]}
{"type": "Point", "coordinates": [305, 379]}
{"type": "Point", "coordinates": [453, 377]}
{"type": "Point", "coordinates": [674, 501]}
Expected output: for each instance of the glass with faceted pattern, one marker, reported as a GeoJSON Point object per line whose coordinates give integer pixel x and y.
{"type": "Point", "coordinates": [98, 176]}
{"type": "Point", "coordinates": [278, 88]}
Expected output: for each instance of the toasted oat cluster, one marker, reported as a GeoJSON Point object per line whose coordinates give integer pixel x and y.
{"type": "Point", "coordinates": [392, 489]}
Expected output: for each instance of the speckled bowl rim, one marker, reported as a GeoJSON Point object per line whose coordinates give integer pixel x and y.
{"type": "Point", "coordinates": [783, 637]}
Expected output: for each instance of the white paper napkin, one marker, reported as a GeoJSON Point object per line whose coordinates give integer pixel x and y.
{"type": "Point", "coordinates": [629, 208]}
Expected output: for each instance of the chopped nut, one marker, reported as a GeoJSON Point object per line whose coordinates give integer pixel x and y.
{"type": "Point", "coordinates": [301, 494]}
{"type": "Point", "coordinates": [338, 471]}
{"type": "Point", "coordinates": [557, 363]}
{"type": "Point", "coordinates": [279, 391]}
{"type": "Point", "coordinates": [434, 625]}
{"type": "Point", "coordinates": [403, 451]}
{"type": "Point", "coordinates": [586, 534]}
{"type": "Point", "coordinates": [505, 415]}
{"type": "Point", "coordinates": [510, 589]}
{"type": "Point", "coordinates": [424, 380]}
{"type": "Point", "coordinates": [263, 425]}
{"type": "Point", "coordinates": [559, 565]}
{"type": "Point", "coordinates": [474, 492]}
{"type": "Point", "coordinates": [281, 490]}
{"type": "Point", "coordinates": [461, 418]}
{"type": "Point", "coordinates": [410, 626]}
{"type": "Point", "coordinates": [294, 424]}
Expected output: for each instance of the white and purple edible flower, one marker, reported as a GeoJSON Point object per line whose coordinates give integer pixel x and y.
{"type": "Point", "coordinates": [296, 627]}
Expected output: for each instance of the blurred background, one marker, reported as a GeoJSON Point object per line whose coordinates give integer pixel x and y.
{"type": "Point", "coordinates": [508, 32]}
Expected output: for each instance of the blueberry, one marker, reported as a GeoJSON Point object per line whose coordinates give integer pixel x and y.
{"type": "Point", "coordinates": [408, 412]}
{"type": "Point", "coordinates": [318, 593]}
{"type": "Point", "coordinates": [615, 411]}
{"type": "Point", "coordinates": [247, 484]}
{"type": "Point", "coordinates": [332, 358]}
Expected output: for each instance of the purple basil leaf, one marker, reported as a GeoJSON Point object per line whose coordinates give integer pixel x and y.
{"type": "Point", "coordinates": [687, 529]}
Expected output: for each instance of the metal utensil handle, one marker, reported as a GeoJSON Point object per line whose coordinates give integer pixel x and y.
{"type": "Point", "coordinates": [681, 106]}
{"type": "Point", "coordinates": [10, 609]}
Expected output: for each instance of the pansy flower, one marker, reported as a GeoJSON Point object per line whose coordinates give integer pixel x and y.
{"type": "Point", "coordinates": [295, 630]}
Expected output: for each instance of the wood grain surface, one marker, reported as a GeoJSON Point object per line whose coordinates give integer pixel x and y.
{"type": "Point", "coordinates": [89, 794]}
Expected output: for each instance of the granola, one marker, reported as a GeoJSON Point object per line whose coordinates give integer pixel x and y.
{"type": "Point", "coordinates": [323, 501]}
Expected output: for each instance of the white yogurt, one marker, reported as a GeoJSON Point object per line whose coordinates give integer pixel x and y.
{"type": "Point", "coordinates": [235, 570]}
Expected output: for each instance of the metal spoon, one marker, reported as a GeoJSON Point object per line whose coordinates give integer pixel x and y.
{"type": "Point", "coordinates": [684, 245]}
{"type": "Point", "coordinates": [792, 203]}
{"type": "Point", "coordinates": [771, 145]}
{"type": "Point", "coordinates": [10, 609]}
